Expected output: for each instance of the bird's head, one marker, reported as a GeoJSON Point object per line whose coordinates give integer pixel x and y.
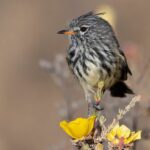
{"type": "Point", "coordinates": [87, 28]}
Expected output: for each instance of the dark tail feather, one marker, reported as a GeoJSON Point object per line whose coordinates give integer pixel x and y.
{"type": "Point", "coordinates": [120, 89]}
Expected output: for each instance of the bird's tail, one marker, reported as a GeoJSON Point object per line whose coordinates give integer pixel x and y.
{"type": "Point", "coordinates": [120, 89]}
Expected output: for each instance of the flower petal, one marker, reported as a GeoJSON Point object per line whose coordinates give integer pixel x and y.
{"type": "Point", "coordinates": [79, 127]}
{"type": "Point", "coordinates": [91, 121]}
{"type": "Point", "coordinates": [115, 141]}
{"type": "Point", "coordinates": [123, 131]}
{"type": "Point", "coordinates": [133, 137]}
{"type": "Point", "coordinates": [111, 135]}
{"type": "Point", "coordinates": [64, 126]}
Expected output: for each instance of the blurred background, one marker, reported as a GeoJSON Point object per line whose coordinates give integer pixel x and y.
{"type": "Point", "coordinates": [37, 90]}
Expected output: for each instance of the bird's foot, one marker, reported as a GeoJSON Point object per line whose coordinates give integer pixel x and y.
{"type": "Point", "coordinates": [97, 106]}
{"type": "Point", "coordinates": [96, 103]}
{"type": "Point", "coordinates": [94, 107]}
{"type": "Point", "coordinates": [100, 91]}
{"type": "Point", "coordinates": [98, 95]}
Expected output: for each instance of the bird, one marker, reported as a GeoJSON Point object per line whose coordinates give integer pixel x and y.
{"type": "Point", "coordinates": [95, 58]}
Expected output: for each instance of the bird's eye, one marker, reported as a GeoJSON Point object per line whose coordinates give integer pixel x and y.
{"type": "Point", "coordinates": [83, 29]}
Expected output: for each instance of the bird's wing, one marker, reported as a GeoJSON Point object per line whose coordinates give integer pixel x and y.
{"type": "Point", "coordinates": [125, 68]}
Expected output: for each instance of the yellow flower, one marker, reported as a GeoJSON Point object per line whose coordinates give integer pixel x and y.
{"type": "Point", "coordinates": [122, 134]}
{"type": "Point", "coordinates": [78, 128]}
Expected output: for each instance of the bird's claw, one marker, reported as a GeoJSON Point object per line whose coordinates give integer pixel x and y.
{"type": "Point", "coordinates": [97, 106]}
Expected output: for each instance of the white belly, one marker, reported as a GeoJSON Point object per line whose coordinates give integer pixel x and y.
{"type": "Point", "coordinates": [93, 74]}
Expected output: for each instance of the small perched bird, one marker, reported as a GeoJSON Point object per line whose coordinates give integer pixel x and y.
{"type": "Point", "coordinates": [95, 57]}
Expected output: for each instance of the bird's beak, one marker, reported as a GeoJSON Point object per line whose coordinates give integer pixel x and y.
{"type": "Point", "coordinates": [66, 32]}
